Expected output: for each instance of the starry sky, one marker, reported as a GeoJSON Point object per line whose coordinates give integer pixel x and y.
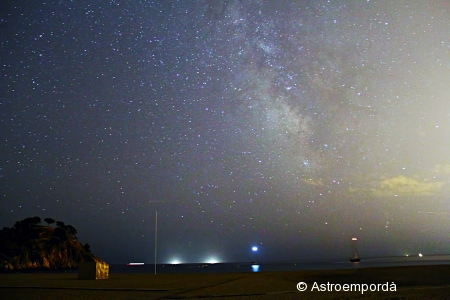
{"type": "Point", "coordinates": [288, 125]}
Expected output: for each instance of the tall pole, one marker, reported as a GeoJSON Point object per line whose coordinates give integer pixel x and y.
{"type": "Point", "coordinates": [156, 236]}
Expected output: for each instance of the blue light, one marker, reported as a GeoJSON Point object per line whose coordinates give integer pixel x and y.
{"type": "Point", "coordinates": [255, 268]}
{"type": "Point", "coordinates": [254, 249]}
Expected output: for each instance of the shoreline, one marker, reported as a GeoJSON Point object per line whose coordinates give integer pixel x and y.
{"type": "Point", "coordinates": [412, 282]}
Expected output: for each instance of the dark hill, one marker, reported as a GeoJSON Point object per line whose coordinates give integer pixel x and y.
{"type": "Point", "coordinates": [29, 245]}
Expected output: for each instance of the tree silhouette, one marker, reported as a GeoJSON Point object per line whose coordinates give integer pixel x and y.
{"type": "Point", "coordinates": [36, 220]}
{"type": "Point", "coordinates": [87, 247]}
{"type": "Point", "coordinates": [71, 230]}
{"type": "Point", "coordinates": [49, 221]}
{"type": "Point", "coordinates": [27, 223]}
{"type": "Point", "coordinates": [60, 233]}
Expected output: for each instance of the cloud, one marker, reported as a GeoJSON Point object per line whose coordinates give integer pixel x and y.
{"type": "Point", "coordinates": [405, 186]}
{"type": "Point", "coordinates": [313, 182]}
{"type": "Point", "coordinates": [442, 169]}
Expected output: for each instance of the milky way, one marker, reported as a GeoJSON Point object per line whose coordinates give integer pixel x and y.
{"type": "Point", "coordinates": [291, 125]}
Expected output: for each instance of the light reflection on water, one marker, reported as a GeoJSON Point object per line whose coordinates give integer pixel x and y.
{"type": "Point", "coordinates": [268, 266]}
{"type": "Point", "coordinates": [285, 266]}
{"type": "Point", "coordinates": [255, 268]}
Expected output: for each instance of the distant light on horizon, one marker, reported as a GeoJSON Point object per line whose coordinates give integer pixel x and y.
{"type": "Point", "coordinates": [420, 255]}
{"type": "Point", "coordinates": [175, 262]}
{"type": "Point", "coordinates": [135, 264]}
{"type": "Point", "coordinates": [254, 248]}
{"type": "Point", "coordinates": [212, 260]}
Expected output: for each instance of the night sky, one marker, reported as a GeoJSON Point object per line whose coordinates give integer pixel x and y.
{"type": "Point", "coordinates": [288, 125]}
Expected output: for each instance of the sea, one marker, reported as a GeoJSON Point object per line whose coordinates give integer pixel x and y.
{"type": "Point", "coordinates": [246, 267]}
{"type": "Point", "coordinates": [262, 266]}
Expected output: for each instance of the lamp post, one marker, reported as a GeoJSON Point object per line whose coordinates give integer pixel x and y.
{"type": "Point", "coordinates": [255, 251]}
{"type": "Point", "coordinates": [156, 236]}
{"type": "Point", "coordinates": [156, 232]}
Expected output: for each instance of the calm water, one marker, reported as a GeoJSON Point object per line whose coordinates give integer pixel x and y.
{"type": "Point", "coordinates": [266, 266]}
{"type": "Point", "coordinates": [280, 266]}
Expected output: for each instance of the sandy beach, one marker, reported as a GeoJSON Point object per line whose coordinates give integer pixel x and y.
{"type": "Point", "coordinates": [413, 282]}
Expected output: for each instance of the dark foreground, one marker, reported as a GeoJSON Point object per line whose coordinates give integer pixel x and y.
{"type": "Point", "coordinates": [412, 282]}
